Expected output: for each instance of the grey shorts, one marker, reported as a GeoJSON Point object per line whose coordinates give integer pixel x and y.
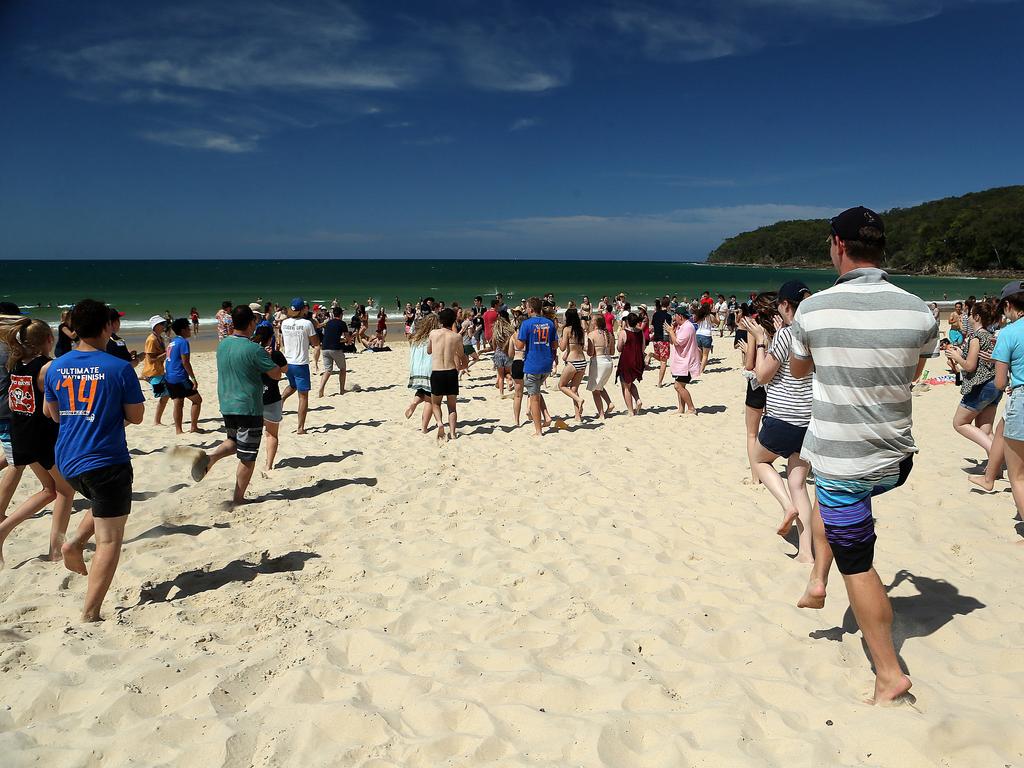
{"type": "Point", "coordinates": [532, 383]}
{"type": "Point", "coordinates": [272, 412]}
{"type": "Point", "coordinates": [334, 357]}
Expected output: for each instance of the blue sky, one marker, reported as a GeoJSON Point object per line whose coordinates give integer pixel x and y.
{"type": "Point", "coordinates": [604, 129]}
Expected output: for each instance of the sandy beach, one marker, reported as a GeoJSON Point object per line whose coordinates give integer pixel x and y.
{"type": "Point", "coordinates": [610, 595]}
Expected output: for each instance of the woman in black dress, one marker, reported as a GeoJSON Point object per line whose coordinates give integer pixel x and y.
{"type": "Point", "coordinates": [33, 433]}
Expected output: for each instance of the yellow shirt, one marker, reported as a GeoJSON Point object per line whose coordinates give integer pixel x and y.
{"type": "Point", "coordinates": [154, 366]}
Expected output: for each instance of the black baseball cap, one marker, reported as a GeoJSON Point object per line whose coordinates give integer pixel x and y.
{"type": "Point", "coordinates": [793, 290]}
{"type": "Point", "coordinates": [847, 225]}
{"type": "Point", "coordinates": [1010, 289]}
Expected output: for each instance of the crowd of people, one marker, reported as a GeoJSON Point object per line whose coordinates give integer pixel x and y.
{"type": "Point", "coordinates": [828, 377]}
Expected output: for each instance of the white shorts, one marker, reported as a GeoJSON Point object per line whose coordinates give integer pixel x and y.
{"type": "Point", "coordinates": [332, 357]}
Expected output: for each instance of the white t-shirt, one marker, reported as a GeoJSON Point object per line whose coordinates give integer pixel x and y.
{"type": "Point", "coordinates": [296, 333]}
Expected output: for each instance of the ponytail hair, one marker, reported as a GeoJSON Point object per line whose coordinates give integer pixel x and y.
{"type": "Point", "coordinates": [27, 338]}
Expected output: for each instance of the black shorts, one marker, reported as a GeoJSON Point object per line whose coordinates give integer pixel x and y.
{"type": "Point", "coordinates": [683, 379]}
{"type": "Point", "coordinates": [756, 398]}
{"type": "Point", "coordinates": [423, 393]}
{"type": "Point", "coordinates": [246, 432]}
{"type": "Point", "coordinates": [780, 437]}
{"type": "Point", "coordinates": [444, 383]}
{"type": "Point", "coordinates": [180, 391]}
{"type": "Point", "coordinates": [517, 370]}
{"type": "Point", "coordinates": [108, 488]}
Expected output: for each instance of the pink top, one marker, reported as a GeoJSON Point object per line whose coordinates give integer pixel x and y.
{"type": "Point", "coordinates": [684, 356]}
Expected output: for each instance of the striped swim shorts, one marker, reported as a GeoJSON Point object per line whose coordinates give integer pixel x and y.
{"type": "Point", "coordinates": [846, 512]}
{"type": "Point", "coordinates": [246, 432]}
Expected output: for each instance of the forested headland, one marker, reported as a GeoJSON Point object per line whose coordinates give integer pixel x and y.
{"type": "Point", "coordinates": [976, 233]}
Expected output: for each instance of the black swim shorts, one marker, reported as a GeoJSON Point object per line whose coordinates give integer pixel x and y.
{"type": "Point", "coordinates": [180, 391]}
{"type": "Point", "coordinates": [108, 488]}
{"type": "Point", "coordinates": [444, 383]}
{"type": "Point", "coordinates": [246, 432]}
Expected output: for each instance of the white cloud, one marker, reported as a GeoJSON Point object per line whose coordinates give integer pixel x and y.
{"type": "Point", "coordinates": [198, 138]}
{"type": "Point", "coordinates": [527, 57]}
{"type": "Point", "coordinates": [523, 123]}
{"type": "Point", "coordinates": [266, 45]}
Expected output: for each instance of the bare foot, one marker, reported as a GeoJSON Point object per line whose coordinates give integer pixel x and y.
{"type": "Point", "coordinates": [814, 595]}
{"type": "Point", "coordinates": [92, 618]}
{"type": "Point", "coordinates": [984, 483]}
{"type": "Point", "coordinates": [74, 561]}
{"type": "Point", "coordinates": [805, 559]}
{"type": "Point", "coordinates": [300, 431]}
{"type": "Point", "coordinates": [889, 692]}
{"type": "Point", "coordinates": [787, 522]}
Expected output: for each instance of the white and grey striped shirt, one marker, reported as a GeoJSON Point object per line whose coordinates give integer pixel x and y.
{"type": "Point", "coordinates": [788, 399]}
{"type": "Point", "coordinates": [866, 337]}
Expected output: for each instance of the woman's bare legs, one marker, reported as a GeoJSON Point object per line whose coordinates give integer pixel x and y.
{"type": "Point", "coordinates": [753, 423]}
{"type": "Point", "coordinates": [517, 399]}
{"type": "Point", "coordinates": [684, 399]}
{"type": "Point", "coordinates": [29, 506]}
{"type": "Point", "coordinates": [796, 479]}
{"type": "Point", "coordinates": [1015, 471]}
{"type": "Point", "coordinates": [996, 459]}
{"type": "Point", "coordinates": [969, 424]}
{"type": "Point", "coordinates": [272, 430]}
{"type": "Point", "coordinates": [627, 397]}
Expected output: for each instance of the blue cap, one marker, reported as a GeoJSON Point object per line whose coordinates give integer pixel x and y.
{"type": "Point", "coordinates": [298, 304]}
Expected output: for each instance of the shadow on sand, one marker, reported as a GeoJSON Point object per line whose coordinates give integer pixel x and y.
{"type": "Point", "coordinates": [920, 615]}
{"type": "Point", "coordinates": [308, 462]}
{"type": "Point", "coordinates": [194, 582]}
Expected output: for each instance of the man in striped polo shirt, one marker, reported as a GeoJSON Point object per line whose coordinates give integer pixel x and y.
{"type": "Point", "coordinates": [866, 342]}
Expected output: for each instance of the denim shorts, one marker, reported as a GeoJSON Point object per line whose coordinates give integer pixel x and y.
{"type": "Point", "coordinates": [980, 398]}
{"type": "Point", "coordinates": [705, 342]}
{"type": "Point", "coordinates": [780, 437]}
{"type": "Point", "coordinates": [5, 440]}
{"type": "Point", "coordinates": [1014, 415]}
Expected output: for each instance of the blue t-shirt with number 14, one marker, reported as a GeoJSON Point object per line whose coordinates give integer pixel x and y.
{"type": "Point", "coordinates": [540, 337]}
{"type": "Point", "coordinates": [91, 390]}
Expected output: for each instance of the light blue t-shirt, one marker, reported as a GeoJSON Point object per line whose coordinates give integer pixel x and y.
{"type": "Point", "coordinates": [174, 371]}
{"type": "Point", "coordinates": [1010, 350]}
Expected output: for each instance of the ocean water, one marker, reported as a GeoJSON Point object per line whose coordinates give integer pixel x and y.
{"type": "Point", "coordinates": [146, 287]}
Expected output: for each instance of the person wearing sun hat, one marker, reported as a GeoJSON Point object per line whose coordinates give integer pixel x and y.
{"type": "Point", "coordinates": [153, 372]}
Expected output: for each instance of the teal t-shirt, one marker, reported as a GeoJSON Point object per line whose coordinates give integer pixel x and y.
{"type": "Point", "coordinates": [1010, 350]}
{"type": "Point", "coordinates": [239, 386]}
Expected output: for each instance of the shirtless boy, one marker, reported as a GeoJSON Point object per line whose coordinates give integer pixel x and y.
{"type": "Point", "coordinates": [444, 345]}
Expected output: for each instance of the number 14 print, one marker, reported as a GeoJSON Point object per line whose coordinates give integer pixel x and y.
{"type": "Point", "coordinates": [86, 394]}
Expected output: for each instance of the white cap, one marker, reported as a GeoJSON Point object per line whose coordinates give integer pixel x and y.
{"type": "Point", "coordinates": [155, 320]}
